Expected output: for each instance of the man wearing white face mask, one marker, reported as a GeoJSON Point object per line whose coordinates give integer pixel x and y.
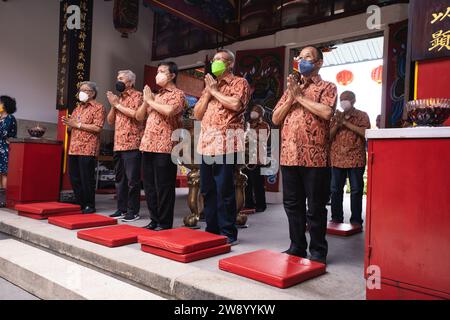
{"type": "Point", "coordinates": [85, 124]}
{"type": "Point", "coordinates": [348, 157]}
{"type": "Point", "coordinates": [163, 112]}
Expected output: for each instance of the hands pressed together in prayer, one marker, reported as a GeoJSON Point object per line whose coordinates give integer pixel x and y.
{"type": "Point", "coordinates": [69, 121]}
{"type": "Point", "coordinates": [112, 99]}
{"type": "Point", "coordinates": [294, 88]}
{"type": "Point", "coordinates": [211, 84]}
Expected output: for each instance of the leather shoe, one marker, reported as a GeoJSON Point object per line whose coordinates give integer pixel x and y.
{"type": "Point", "coordinates": [159, 228]}
{"type": "Point", "coordinates": [294, 253]}
{"type": "Point", "coordinates": [318, 259]}
{"type": "Point", "coordinates": [151, 226]}
{"type": "Point", "coordinates": [88, 210]}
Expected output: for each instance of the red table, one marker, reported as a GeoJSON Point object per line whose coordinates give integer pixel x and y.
{"type": "Point", "coordinates": [408, 213]}
{"type": "Point", "coordinates": [34, 171]}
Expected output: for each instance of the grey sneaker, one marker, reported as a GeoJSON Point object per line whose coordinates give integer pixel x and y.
{"type": "Point", "coordinates": [131, 218]}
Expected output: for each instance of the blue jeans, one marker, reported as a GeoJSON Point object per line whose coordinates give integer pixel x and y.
{"type": "Point", "coordinates": [218, 188]}
{"type": "Point", "coordinates": [338, 180]}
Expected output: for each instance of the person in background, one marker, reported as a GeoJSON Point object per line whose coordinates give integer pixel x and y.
{"type": "Point", "coordinates": [8, 129]}
{"type": "Point", "coordinates": [85, 123]}
{"type": "Point", "coordinates": [221, 111]}
{"type": "Point", "coordinates": [348, 158]}
{"type": "Point", "coordinates": [163, 112]}
{"type": "Point", "coordinates": [127, 138]}
{"type": "Point", "coordinates": [304, 112]}
{"type": "Point", "coordinates": [255, 193]}
{"type": "Point", "coordinates": [378, 121]}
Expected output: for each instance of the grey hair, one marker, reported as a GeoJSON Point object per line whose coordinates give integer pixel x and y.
{"type": "Point", "coordinates": [230, 54]}
{"type": "Point", "coordinates": [129, 74]}
{"type": "Point", "coordinates": [92, 85]}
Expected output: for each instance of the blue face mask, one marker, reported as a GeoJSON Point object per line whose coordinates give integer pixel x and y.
{"type": "Point", "coordinates": [306, 67]}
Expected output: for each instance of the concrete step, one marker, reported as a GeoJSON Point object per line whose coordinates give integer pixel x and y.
{"type": "Point", "coordinates": [173, 279]}
{"type": "Point", "coordinates": [50, 277]}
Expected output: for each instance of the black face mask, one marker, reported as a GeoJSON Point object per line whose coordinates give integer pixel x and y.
{"type": "Point", "coordinates": [120, 86]}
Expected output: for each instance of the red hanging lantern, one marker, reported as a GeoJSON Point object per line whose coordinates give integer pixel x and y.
{"type": "Point", "coordinates": [377, 74]}
{"type": "Point", "coordinates": [126, 16]}
{"type": "Point", "coordinates": [344, 78]}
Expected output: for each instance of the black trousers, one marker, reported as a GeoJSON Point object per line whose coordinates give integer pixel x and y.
{"type": "Point", "coordinates": [255, 193]}
{"type": "Point", "coordinates": [219, 192]}
{"type": "Point", "coordinates": [338, 180]}
{"type": "Point", "coordinates": [82, 178]}
{"type": "Point", "coordinates": [127, 167]}
{"type": "Point", "coordinates": [301, 184]}
{"type": "Point", "coordinates": [160, 175]}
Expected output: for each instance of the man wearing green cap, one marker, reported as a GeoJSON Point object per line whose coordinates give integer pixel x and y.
{"type": "Point", "coordinates": [221, 112]}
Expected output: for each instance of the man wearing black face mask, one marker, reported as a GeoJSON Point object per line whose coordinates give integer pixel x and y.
{"type": "Point", "coordinates": [304, 114]}
{"type": "Point", "coordinates": [127, 138]}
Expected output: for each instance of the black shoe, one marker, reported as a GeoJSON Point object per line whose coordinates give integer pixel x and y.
{"type": "Point", "coordinates": [318, 259]}
{"type": "Point", "coordinates": [118, 215]}
{"type": "Point", "coordinates": [159, 228]}
{"type": "Point", "coordinates": [233, 242]}
{"type": "Point", "coordinates": [294, 253]}
{"type": "Point", "coordinates": [151, 226]}
{"type": "Point", "coordinates": [336, 221]}
{"type": "Point", "coordinates": [88, 210]}
{"type": "Point", "coordinates": [131, 217]}
{"type": "Point", "coordinates": [262, 209]}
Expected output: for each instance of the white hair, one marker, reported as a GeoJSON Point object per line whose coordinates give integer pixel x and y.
{"type": "Point", "coordinates": [129, 74]}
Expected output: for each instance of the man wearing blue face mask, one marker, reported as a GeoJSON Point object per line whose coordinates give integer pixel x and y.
{"type": "Point", "coordinates": [304, 114]}
{"type": "Point", "coordinates": [221, 110]}
{"type": "Point", "coordinates": [348, 158]}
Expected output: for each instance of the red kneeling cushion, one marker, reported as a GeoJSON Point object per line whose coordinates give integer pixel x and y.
{"type": "Point", "coordinates": [183, 240]}
{"type": "Point", "coordinates": [114, 236]}
{"type": "Point", "coordinates": [343, 229]}
{"type": "Point", "coordinates": [188, 257]}
{"type": "Point", "coordinates": [47, 207]}
{"type": "Point", "coordinates": [276, 269]}
{"type": "Point", "coordinates": [81, 221]}
{"type": "Point", "coordinates": [46, 215]}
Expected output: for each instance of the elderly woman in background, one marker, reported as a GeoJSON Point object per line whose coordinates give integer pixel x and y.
{"type": "Point", "coordinates": [85, 123]}
{"type": "Point", "coordinates": [8, 129]}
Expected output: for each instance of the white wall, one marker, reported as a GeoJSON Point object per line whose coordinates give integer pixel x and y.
{"type": "Point", "coordinates": [29, 32]}
{"type": "Point", "coordinates": [111, 52]}
{"type": "Point", "coordinates": [29, 56]}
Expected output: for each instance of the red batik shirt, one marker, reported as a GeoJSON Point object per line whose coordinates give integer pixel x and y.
{"type": "Point", "coordinates": [348, 149]}
{"type": "Point", "coordinates": [304, 135]}
{"type": "Point", "coordinates": [84, 143]}
{"type": "Point", "coordinates": [159, 127]}
{"type": "Point", "coordinates": [217, 120]}
{"type": "Point", "coordinates": [128, 131]}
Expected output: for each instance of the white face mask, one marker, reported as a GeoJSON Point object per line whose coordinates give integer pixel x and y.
{"type": "Point", "coordinates": [83, 96]}
{"type": "Point", "coordinates": [346, 105]}
{"type": "Point", "coordinates": [161, 79]}
{"type": "Point", "coordinates": [254, 115]}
